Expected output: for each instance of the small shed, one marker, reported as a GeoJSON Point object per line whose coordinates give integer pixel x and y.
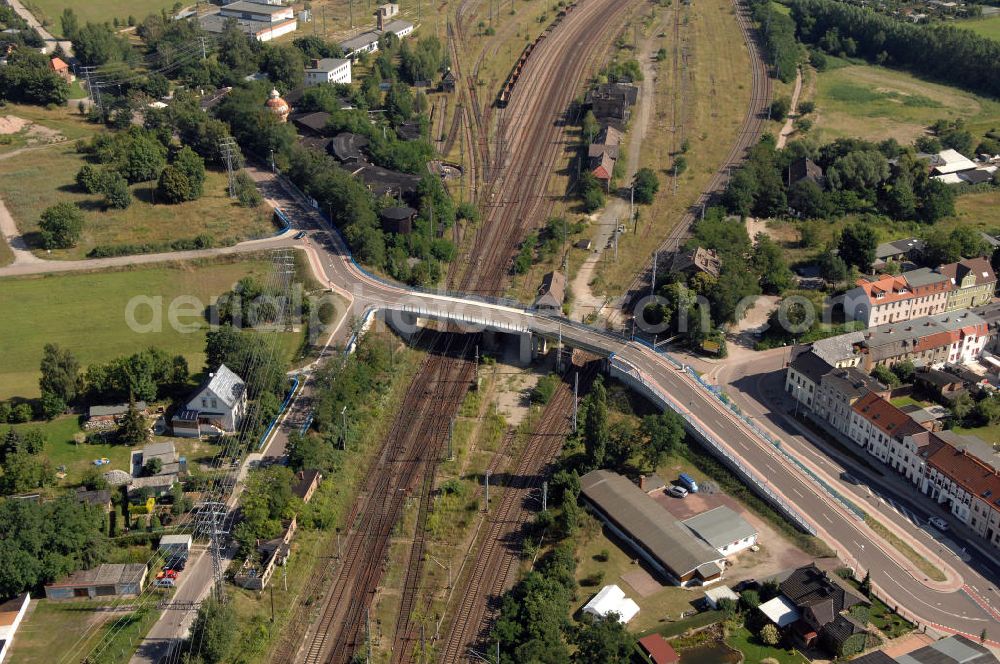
{"type": "Point", "coordinates": [398, 219]}
{"type": "Point", "coordinates": [713, 595]}
{"type": "Point", "coordinates": [176, 545]}
{"type": "Point", "coordinates": [448, 81]}
{"type": "Point", "coordinates": [103, 581]}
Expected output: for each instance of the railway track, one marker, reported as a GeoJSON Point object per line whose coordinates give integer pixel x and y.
{"type": "Point", "coordinates": [414, 440]}
{"type": "Point", "coordinates": [549, 83]}
{"type": "Point", "coordinates": [496, 559]}
{"type": "Point", "coordinates": [749, 134]}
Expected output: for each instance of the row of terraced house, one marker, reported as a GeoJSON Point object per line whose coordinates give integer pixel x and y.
{"type": "Point", "coordinates": [921, 292]}
{"type": "Point", "coordinates": [959, 472]}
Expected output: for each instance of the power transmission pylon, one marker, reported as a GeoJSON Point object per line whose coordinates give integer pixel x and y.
{"type": "Point", "coordinates": [231, 154]}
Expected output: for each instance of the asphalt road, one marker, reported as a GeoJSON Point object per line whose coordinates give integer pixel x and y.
{"type": "Point", "coordinates": [954, 611]}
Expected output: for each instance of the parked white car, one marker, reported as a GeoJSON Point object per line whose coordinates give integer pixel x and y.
{"type": "Point", "coordinates": [938, 523]}
{"type": "Point", "coordinates": [677, 491]}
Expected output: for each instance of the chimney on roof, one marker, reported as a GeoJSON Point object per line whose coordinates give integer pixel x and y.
{"type": "Point", "coordinates": [642, 482]}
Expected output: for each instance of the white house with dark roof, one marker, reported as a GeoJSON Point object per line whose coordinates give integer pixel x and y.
{"type": "Point", "coordinates": [219, 403]}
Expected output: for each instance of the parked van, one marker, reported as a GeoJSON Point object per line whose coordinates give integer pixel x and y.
{"type": "Point", "coordinates": [688, 482]}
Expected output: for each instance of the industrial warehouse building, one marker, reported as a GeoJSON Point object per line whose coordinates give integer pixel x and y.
{"type": "Point", "coordinates": [667, 545]}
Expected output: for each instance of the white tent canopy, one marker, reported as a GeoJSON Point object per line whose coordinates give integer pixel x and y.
{"type": "Point", "coordinates": [611, 599]}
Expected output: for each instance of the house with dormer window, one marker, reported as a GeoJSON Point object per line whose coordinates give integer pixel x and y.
{"type": "Point", "coordinates": [217, 406]}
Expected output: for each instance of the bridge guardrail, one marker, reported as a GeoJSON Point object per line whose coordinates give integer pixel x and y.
{"type": "Point", "coordinates": [633, 376]}
{"type": "Point", "coordinates": [721, 396]}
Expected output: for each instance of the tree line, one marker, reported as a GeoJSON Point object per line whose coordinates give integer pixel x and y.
{"type": "Point", "coordinates": [946, 53]}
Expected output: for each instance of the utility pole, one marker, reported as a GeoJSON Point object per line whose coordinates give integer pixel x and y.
{"type": "Point", "coordinates": [576, 397]}
{"type": "Point", "coordinates": [545, 496]}
{"type": "Point", "coordinates": [272, 602]}
{"type": "Point", "coordinates": [559, 351]}
{"type": "Point", "coordinates": [477, 366]}
{"type": "Point", "coordinates": [487, 491]}
{"type": "Point", "coordinates": [451, 438]}
{"type": "Point", "coordinates": [343, 429]}
{"type": "Point", "coordinates": [631, 208]}
{"type": "Point", "coordinates": [652, 286]}
{"type": "Point", "coordinates": [204, 51]}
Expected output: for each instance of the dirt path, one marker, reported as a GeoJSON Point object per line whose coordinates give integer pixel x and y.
{"type": "Point", "coordinates": [617, 209]}
{"type": "Point", "coordinates": [789, 127]}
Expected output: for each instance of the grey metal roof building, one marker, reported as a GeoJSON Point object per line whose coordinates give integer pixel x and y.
{"type": "Point", "coordinates": [669, 547]}
{"type": "Point", "coordinates": [720, 527]}
{"type": "Point", "coordinates": [952, 650]}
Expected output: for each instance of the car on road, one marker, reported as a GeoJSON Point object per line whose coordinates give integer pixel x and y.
{"type": "Point", "coordinates": [677, 491]}
{"type": "Point", "coordinates": [300, 235]}
{"type": "Point", "coordinates": [847, 477]}
{"type": "Point", "coordinates": [938, 523]}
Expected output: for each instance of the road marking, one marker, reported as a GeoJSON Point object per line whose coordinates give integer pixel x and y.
{"type": "Point", "coordinates": [797, 492]}
{"type": "Point", "coordinates": [829, 520]}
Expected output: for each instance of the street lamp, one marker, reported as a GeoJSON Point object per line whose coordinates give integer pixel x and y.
{"type": "Point", "coordinates": [798, 399]}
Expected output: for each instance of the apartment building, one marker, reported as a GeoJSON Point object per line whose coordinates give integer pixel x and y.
{"type": "Point", "coordinates": [881, 429]}
{"type": "Point", "coordinates": [967, 485]}
{"type": "Point", "coordinates": [973, 283]}
{"type": "Point", "coordinates": [921, 292]}
{"type": "Point", "coordinates": [956, 337]}
{"type": "Point", "coordinates": [838, 391]}
{"type": "Point", "coordinates": [892, 298]}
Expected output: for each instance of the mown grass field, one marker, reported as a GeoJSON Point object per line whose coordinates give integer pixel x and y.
{"type": "Point", "coordinates": [57, 627]}
{"type": "Point", "coordinates": [875, 103]}
{"type": "Point", "coordinates": [37, 179]}
{"type": "Point", "coordinates": [86, 313]}
{"type": "Point", "coordinates": [987, 27]}
{"type": "Point", "coordinates": [95, 11]}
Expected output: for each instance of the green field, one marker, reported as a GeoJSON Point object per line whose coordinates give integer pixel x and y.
{"type": "Point", "coordinates": [58, 627]}
{"type": "Point", "coordinates": [95, 11]}
{"type": "Point", "coordinates": [86, 313]}
{"type": "Point", "coordinates": [875, 103]}
{"type": "Point", "coordinates": [36, 179]}
{"type": "Point", "coordinates": [987, 27]}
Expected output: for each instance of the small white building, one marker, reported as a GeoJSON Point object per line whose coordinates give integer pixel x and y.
{"type": "Point", "coordinates": [612, 599]}
{"type": "Point", "coordinates": [328, 70]}
{"type": "Point", "coordinates": [176, 545]}
{"type": "Point", "coordinates": [220, 403]}
{"type": "Point", "coordinates": [713, 595]}
{"type": "Point", "coordinates": [399, 28]}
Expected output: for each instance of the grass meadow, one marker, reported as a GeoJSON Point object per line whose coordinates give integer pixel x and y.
{"type": "Point", "coordinates": [86, 313]}
{"type": "Point", "coordinates": [875, 103]}
{"type": "Point", "coordinates": [987, 27]}
{"type": "Point", "coordinates": [95, 11]}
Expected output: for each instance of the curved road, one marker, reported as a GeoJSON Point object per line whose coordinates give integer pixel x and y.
{"type": "Point", "coordinates": [951, 611]}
